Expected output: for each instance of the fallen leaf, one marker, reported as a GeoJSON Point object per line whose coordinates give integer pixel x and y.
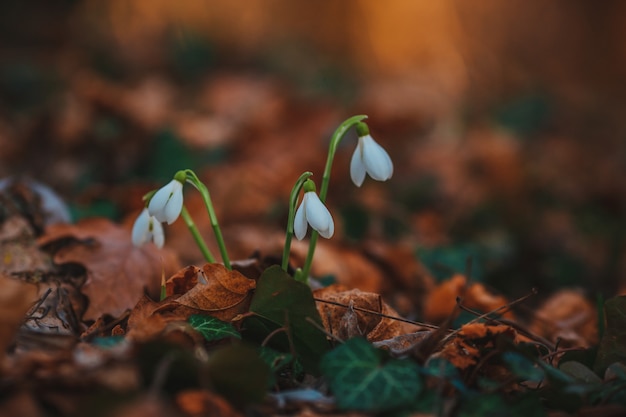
{"type": "Point", "coordinates": [149, 318]}
{"type": "Point", "coordinates": [440, 303]}
{"type": "Point", "coordinates": [568, 316]}
{"type": "Point", "coordinates": [202, 403]}
{"type": "Point", "coordinates": [118, 273]}
{"type": "Point", "coordinates": [182, 281]}
{"type": "Point", "coordinates": [225, 294]}
{"type": "Point", "coordinates": [473, 341]}
{"type": "Point", "coordinates": [373, 326]}
{"type": "Point", "coordinates": [16, 298]}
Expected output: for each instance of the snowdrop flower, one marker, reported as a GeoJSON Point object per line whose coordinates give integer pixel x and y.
{"type": "Point", "coordinates": [313, 212]}
{"type": "Point", "coordinates": [167, 203]}
{"type": "Point", "coordinates": [369, 157]}
{"type": "Point", "coordinates": [147, 228]}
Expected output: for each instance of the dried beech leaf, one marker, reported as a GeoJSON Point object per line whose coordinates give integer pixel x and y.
{"type": "Point", "coordinates": [479, 298]}
{"type": "Point", "coordinates": [440, 303]}
{"type": "Point", "coordinates": [182, 281]}
{"type": "Point", "coordinates": [16, 297]}
{"type": "Point", "coordinates": [118, 273]}
{"type": "Point", "coordinates": [568, 316]}
{"type": "Point", "coordinates": [226, 293]}
{"type": "Point", "coordinates": [374, 327]}
{"type": "Point", "coordinates": [473, 341]}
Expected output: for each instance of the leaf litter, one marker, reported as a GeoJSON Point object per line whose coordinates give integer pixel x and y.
{"type": "Point", "coordinates": [83, 326]}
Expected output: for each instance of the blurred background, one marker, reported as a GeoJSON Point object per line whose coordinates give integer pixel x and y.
{"type": "Point", "coordinates": [505, 121]}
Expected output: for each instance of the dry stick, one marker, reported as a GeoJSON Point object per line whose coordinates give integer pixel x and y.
{"type": "Point", "coordinates": [376, 313]}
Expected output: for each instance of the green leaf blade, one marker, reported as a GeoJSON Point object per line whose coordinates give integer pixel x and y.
{"type": "Point", "coordinates": [212, 328]}
{"type": "Point", "coordinates": [360, 381]}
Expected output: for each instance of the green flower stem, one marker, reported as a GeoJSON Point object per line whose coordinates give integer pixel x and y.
{"type": "Point", "coordinates": [192, 178]}
{"type": "Point", "coordinates": [197, 236]}
{"type": "Point", "coordinates": [293, 202]}
{"type": "Point", "coordinates": [334, 143]}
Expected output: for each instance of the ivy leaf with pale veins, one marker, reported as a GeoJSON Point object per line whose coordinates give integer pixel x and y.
{"type": "Point", "coordinates": [361, 380]}
{"type": "Point", "coordinates": [212, 328]}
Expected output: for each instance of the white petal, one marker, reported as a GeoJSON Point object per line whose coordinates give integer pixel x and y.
{"type": "Point", "coordinates": [159, 200]}
{"type": "Point", "coordinates": [318, 215]}
{"type": "Point", "coordinates": [157, 233]}
{"type": "Point", "coordinates": [357, 169]}
{"type": "Point", "coordinates": [299, 223]}
{"type": "Point", "coordinates": [377, 161]}
{"type": "Point", "coordinates": [140, 232]}
{"type": "Point", "coordinates": [175, 204]}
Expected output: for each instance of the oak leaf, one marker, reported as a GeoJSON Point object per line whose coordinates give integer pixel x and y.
{"type": "Point", "coordinates": [118, 273]}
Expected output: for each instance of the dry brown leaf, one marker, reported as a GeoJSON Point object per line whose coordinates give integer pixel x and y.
{"type": "Point", "coordinates": [149, 317]}
{"type": "Point", "coordinates": [479, 298]}
{"type": "Point", "coordinates": [441, 302]}
{"type": "Point", "coordinates": [118, 273]}
{"type": "Point", "coordinates": [182, 281]}
{"type": "Point", "coordinates": [473, 341]}
{"type": "Point", "coordinates": [201, 403]}
{"type": "Point", "coordinates": [225, 295]}
{"type": "Point", "coordinates": [16, 298]}
{"type": "Point", "coordinates": [373, 327]}
{"type": "Point", "coordinates": [567, 315]}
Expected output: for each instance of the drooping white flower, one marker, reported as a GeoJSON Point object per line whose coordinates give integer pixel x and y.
{"type": "Point", "coordinates": [369, 157]}
{"type": "Point", "coordinates": [167, 203]}
{"type": "Point", "coordinates": [147, 228]}
{"type": "Point", "coordinates": [312, 211]}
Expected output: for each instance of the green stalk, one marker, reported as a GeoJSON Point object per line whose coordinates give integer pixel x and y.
{"type": "Point", "coordinates": [197, 236]}
{"type": "Point", "coordinates": [293, 202]}
{"type": "Point", "coordinates": [192, 178]}
{"type": "Point", "coordinates": [334, 143]}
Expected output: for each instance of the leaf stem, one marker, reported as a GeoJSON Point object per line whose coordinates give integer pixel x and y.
{"type": "Point", "coordinates": [293, 202]}
{"type": "Point", "coordinates": [332, 149]}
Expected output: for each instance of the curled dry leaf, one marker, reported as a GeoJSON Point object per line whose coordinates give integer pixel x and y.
{"type": "Point", "coordinates": [473, 341]}
{"type": "Point", "coordinates": [441, 302]}
{"type": "Point", "coordinates": [568, 316]}
{"type": "Point", "coordinates": [182, 281]}
{"type": "Point", "coordinates": [374, 327]}
{"type": "Point", "coordinates": [225, 294]}
{"type": "Point", "coordinates": [149, 318]}
{"type": "Point", "coordinates": [118, 273]}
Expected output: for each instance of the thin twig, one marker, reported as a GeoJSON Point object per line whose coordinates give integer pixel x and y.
{"type": "Point", "coordinates": [376, 313]}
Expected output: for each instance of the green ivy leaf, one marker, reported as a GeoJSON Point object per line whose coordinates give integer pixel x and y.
{"type": "Point", "coordinates": [280, 301]}
{"type": "Point", "coordinates": [360, 381]}
{"type": "Point", "coordinates": [212, 328]}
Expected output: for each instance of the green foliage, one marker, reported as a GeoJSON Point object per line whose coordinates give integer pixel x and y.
{"type": "Point", "coordinates": [212, 328]}
{"type": "Point", "coordinates": [281, 302]}
{"type": "Point", "coordinates": [279, 362]}
{"type": "Point", "coordinates": [361, 379]}
{"type": "Point", "coordinates": [444, 261]}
